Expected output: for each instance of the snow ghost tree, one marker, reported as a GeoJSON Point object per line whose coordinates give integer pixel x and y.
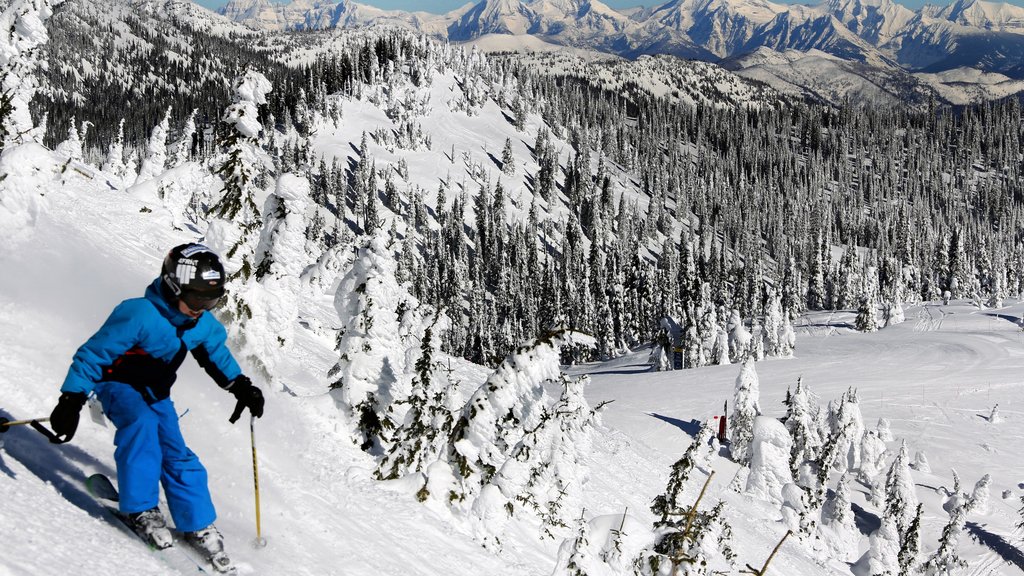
{"type": "Point", "coordinates": [267, 332]}
{"type": "Point", "coordinates": [71, 147]}
{"type": "Point", "coordinates": [846, 418]}
{"type": "Point", "coordinates": [183, 148]}
{"type": "Point", "coordinates": [745, 408]}
{"type": "Point", "coordinates": [772, 328]}
{"type": "Point", "coordinates": [156, 157]}
{"type": "Point", "coordinates": [838, 529]}
{"type": "Point", "coordinates": [769, 459]}
{"type": "Point", "coordinates": [115, 165]}
{"type": "Point", "coordinates": [802, 428]}
{"type": "Point", "coordinates": [739, 338]}
{"type": "Point", "coordinates": [370, 302]}
{"type": "Point", "coordinates": [22, 36]}
{"type": "Point", "coordinates": [896, 543]}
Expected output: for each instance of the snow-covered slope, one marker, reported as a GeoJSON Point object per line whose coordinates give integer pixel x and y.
{"type": "Point", "coordinates": [821, 76]}
{"type": "Point", "coordinates": [934, 378]}
{"type": "Point", "coordinates": [969, 85]}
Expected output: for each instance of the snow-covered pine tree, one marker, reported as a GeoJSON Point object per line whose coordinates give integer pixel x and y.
{"type": "Point", "coordinates": [838, 528]}
{"type": "Point", "coordinates": [867, 310]}
{"type": "Point", "coordinates": [22, 34]}
{"type": "Point", "coordinates": [739, 338]}
{"type": "Point", "coordinates": [115, 165]}
{"type": "Point", "coordinates": [367, 378]}
{"type": "Point", "coordinates": [883, 555]}
{"type": "Point", "coordinates": [979, 500]}
{"type": "Point", "coordinates": [545, 471]}
{"type": "Point", "coordinates": [267, 332]}
{"type": "Point", "coordinates": [802, 428]}
{"type": "Point", "coordinates": [156, 157]}
{"type": "Point", "coordinates": [846, 416]}
{"type": "Point", "coordinates": [574, 557]}
{"type": "Point", "coordinates": [772, 327]}
{"type": "Point", "coordinates": [71, 147]}
{"type": "Point", "coordinates": [236, 218]}
{"type": "Point", "coordinates": [508, 159]}
{"type": "Point", "coordinates": [945, 561]}
{"type": "Point", "coordinates": [694, 542]}
{"type": "Point", "coordinates": [183, 147]}
{"type": "Point", "coordinates": [770, 448]}
{"type": "Point", "coordinates": [900, 495]}
{"type": "Point", "coordinates": [667, 505]}
{"type": "Point", "coordinates": [422, 437]}
{"type": "Point", "coordinates": [511, 401]}
{"type": "Point", "coordinates": [910, 544]}
{"type": "Point", "coordinates": [745, 408]}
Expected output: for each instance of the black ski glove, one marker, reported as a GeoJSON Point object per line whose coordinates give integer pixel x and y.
{"type": "Point", "coordinates": [248, 396]}
{"type": "Point", "coordinates": [64, 418]}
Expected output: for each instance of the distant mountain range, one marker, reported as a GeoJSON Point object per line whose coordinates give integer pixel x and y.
{"type": "Point", "coordinates": [966, 34]}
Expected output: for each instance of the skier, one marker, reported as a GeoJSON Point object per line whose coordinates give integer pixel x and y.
{"type": "Point", "coordinates": [130, 364]}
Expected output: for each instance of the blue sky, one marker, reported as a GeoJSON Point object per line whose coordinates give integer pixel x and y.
{"type": "Point", "coordinates": [441, 6]}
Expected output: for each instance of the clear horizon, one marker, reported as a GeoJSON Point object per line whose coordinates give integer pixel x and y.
{"type": "Point", "coordinates": [442, 6]}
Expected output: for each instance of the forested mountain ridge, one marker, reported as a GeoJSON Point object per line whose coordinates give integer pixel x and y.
{"type": "Point", "coordinates": [888, 38]}
{"type": "Point", "coordinates": [611, 209]}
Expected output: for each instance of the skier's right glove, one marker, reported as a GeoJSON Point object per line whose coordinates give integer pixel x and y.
{"type": "Point", "coordinates": [248, 395]}
{"type": "Point", "coordinates": [64, 418]}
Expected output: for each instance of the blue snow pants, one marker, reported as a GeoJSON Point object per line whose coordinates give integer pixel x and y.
{"type": "Point", "coordinates": [151, 451]}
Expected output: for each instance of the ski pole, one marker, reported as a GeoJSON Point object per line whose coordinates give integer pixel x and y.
{"type": "Point", "coordinates": [6, 424]}
{"type": "Point", "coordinates": [260, 541]}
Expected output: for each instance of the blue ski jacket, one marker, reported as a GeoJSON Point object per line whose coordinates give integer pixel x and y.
{"type": "Point", "coordinates": [144, 342]}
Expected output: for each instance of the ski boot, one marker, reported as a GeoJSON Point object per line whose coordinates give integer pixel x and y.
{"type": "Point", "coordinates": [151, 527]}
{"type": "Point", "coordinates": [210, 544]}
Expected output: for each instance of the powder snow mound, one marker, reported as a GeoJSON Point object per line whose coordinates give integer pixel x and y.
{"type": "Point", "coordinates": [30, 171]}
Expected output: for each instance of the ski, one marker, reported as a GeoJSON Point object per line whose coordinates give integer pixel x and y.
{"type": "Point", "coordinates": [103, 490]}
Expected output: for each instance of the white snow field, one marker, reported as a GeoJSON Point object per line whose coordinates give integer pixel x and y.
{"type": "Point", "coordinates": [936, 378]}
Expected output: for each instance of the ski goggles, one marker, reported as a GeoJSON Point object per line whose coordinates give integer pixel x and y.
{"type": "Point", "coordinates": [197, 301]}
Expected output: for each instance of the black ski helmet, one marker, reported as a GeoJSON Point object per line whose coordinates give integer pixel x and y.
{"type": "Point", "coordinates": [194, 273]}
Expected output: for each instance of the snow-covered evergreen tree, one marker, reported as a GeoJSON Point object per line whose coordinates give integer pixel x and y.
{"type": "Point", "coordinates": [769, 460]}
{"type": "Point", "coordinates": [867, 310]}
{"type": "Point", "coordinates": [772, 328]}
{"type": "Point", "coordinates": [883, 555]}
{"type": "Point", "coordinates": [802, 428]}
{"type": "Point", "coordinates": [115, 164]}
{"type": "Point", "coordinates": [545, 471]}
{"type": "Point", "coordinates": [495, 418]}
{"type": "Point", "coordinates": [838, 528]}
{"type": "Point", "coordinates": [183, 147]}
{"type": "Point", "coordinates": [739, 338]}
{"type": "Point", "coordinates": [267, 331]}
{"type": "Point", "coordinates": [156, 157]}
{"type": "Point", "coordinates": [846, 417]}
{"type": "Point", "coordinates": [236, 217]}
{"type": "Point", "coordinates": [422, 437]}
{"type": "Point", "coordinates": [368, 374]}
{"type": "Point", "coordinates": [22, 36]}
{"type": "Point", "coordinates": [71, 147]}
{"type": "Point", "coordinates": [945, 561]}
{"type": "Point", "coordinates": [745, 409]}
{"type": "Point", "coordinates": [900, 495]}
